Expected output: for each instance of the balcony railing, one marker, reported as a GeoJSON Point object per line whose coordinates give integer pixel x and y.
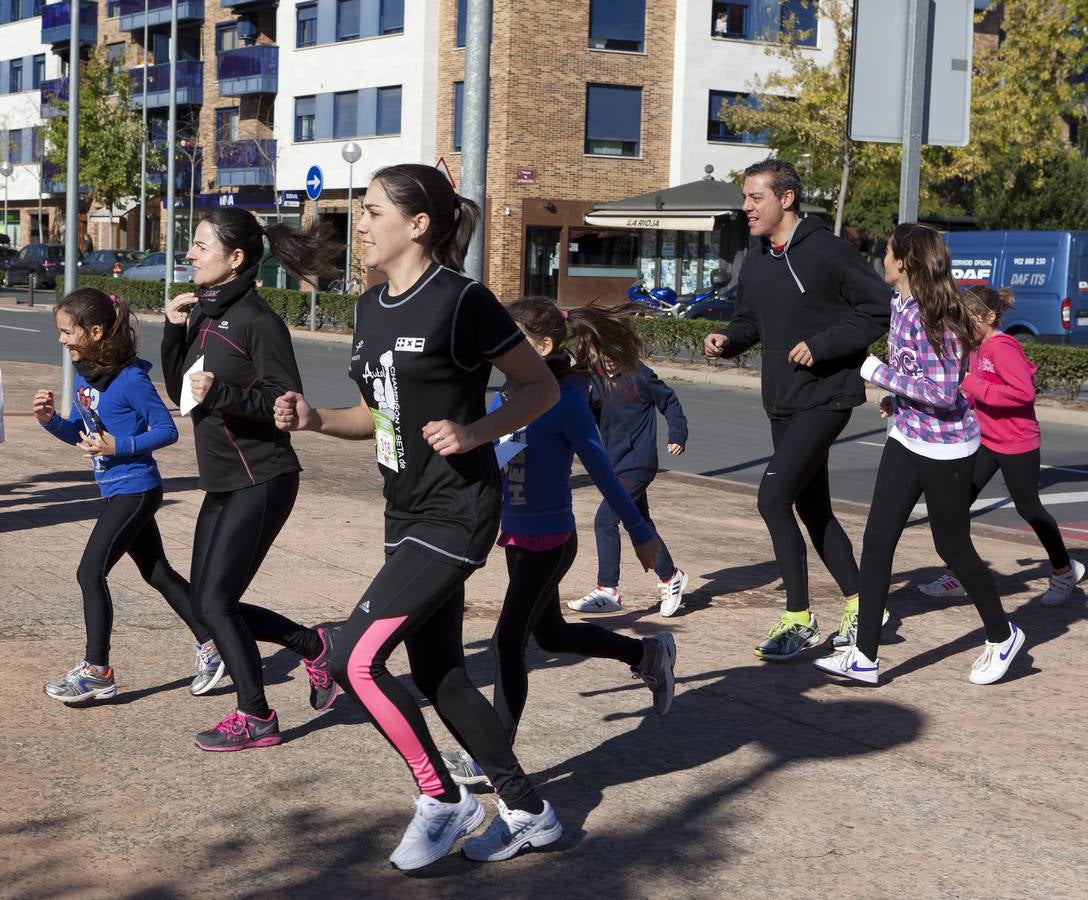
{"type": "Point", "coordinates": [249, 70]}
{"type": "Point", "coordinates": [53, 89]}
{"type": "Point", "coordinates": [54, 180]}
{"type": "Point", "coordinates": [190, 84]}
{"type": "Point", "coordinates": [247, 4]}
{"type": "Point", "coordinates": [245, 163]}
{"type": "Point", "coordinates": [158, 13]}
{"type": "Point", "coordinates": [57, 23]}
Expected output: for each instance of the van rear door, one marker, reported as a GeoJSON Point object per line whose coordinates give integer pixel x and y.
{"type": "Point", "coordinates": [1034, 265]}
{"type": "Point", "coordinates": [1078, 331]}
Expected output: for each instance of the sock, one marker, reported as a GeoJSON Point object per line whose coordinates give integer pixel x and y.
{"type": "Point", "coordinates": [103, 670]}
{"type": "Point", "coordinates": [852, 602]}
{"type": "Point", "coordinates": [804, 617]}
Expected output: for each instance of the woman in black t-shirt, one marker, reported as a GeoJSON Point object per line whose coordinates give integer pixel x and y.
{"type": "Point", "coordinates": [422, 353]}
{"type": "Point", "coordinates": [226, 354]}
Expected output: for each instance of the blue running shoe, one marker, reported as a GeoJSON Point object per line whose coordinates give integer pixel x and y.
{"type": "Point", "coordinates": [81, 684]}
{"type": "Point", "coordinates": [210, 669]}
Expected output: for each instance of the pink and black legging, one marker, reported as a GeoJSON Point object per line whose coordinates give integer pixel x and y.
{"type": "Point", "coordinates": [418, 598]}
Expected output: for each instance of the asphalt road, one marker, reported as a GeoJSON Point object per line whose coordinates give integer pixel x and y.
{"type": "Point", "coordinates": [730, 437]}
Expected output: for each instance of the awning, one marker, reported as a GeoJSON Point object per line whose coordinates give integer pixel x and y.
{"type": "Point", "coordinates": [651, 219]}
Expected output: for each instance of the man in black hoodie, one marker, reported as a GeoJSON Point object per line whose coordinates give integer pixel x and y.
{"type": "Point", "coordinates": [815, 305]}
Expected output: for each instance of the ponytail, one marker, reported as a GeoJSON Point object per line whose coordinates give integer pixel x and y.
{"type": "Point", "coordinates": [981, 299]}
{"type": "Point", "coordinates": [88, 307]}
{"type": "Point", "coordinates": [586, 333]}
{"type": "Point", "coordinates": [305, 254]}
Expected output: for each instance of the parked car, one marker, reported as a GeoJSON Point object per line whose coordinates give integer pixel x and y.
{"type": "Point", "coordinates": [109, 262]}
{"type": "Point", "coordinates": [153, 268]}
{"type": "Point", "coordinates": [7, 256]}
{"type": "Point", "coordinates": [46, 260]}
{"type": "Point", "coordinates": [1047, 272]}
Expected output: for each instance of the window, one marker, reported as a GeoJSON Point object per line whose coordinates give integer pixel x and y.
{"type": "Point", "coordinates": [37, 143]}
{"type": "Point", "coordinates": [765, 20]}
{"type": "Point", "coordinates": [15, 144]}
{"type": "Point", "coordinates": [347, 20]}
{"type": "Point", "coordinates": [113, 9]}
{"type": "Point", "coordinates": [37, 7]}
{"type": "Point", "coordinates": [226, 37]}
{"type": "Point", "coordinates": [617, 25]}
{"type": "Point", "coordinates": [226, 124]}
{"type": "Point", "coordinates": [388, 110]}
{"type": "Point", "coordinates": [16, 10]}
{"type": "Point", "coordinates": [306, 25]}
{"type": "Point", "coordinates": [345, 114]}
{"type": "Point", "coordinates": [718, 131]}
{"type": "Point", "coordinates": [115, 54]}
{"type": "Point", "coordinates": [38, 73]}
{"type": "Point", "coordinates": [458, 111]}
{"type": "Point", "coordinates": [15, 76]}
{"type": "Point", "coordinates": [391, 18]}
{"type": "Point", "coordinates": [462, 15]}
{"type": "Point", "coordinates": [613, 120]}
{"type": "Point", "coordinates": [609, 254]}
{"type": "Point", "coordinates": [304, 118]}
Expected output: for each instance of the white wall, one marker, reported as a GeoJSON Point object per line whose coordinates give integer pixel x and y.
{"type": "Point", "coordinates": [18, 39]}
{"type": "Point", "coordinates": [409, 59]}
{"type": "Point", "coordinates": [703, 64]}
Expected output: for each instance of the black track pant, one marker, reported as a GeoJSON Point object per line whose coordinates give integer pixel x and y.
{"type": "Point", "coordinates": [234, 531]}
{"type": "Point", "coordinates": [1021, 474]}
{"type": "Point", "coordinates": [532, 607]}
{"type": "Point", "coordinates": [901, 480]}
{"type": "Point", "coordinates": [418, 599]}
{"type": "Point", "coordinates": [127, 525]}
{"type": "Point", "coordinates": [797, 476]}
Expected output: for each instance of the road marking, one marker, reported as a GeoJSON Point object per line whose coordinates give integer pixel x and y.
{"type": "Point", "coordinates": [869, 444]}
{"type": "Point", "coordinates": [17, 328]}
{"type": "Point", "coordinates": [988, 505]}
{"type": "Point", "coordinates": [1065, 469]}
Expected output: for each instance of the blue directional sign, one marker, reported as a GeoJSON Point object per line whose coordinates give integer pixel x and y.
{"type": "Point", "coordinates": [315, 181]}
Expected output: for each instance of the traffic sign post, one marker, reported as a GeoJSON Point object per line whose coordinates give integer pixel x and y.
{"type": "Point", "coordinates": [315, 181]}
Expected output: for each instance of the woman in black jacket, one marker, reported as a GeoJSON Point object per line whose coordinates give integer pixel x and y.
{"type": "Point", "coordinates": [226, 357]}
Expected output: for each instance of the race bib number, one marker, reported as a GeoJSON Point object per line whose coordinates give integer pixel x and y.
{"type": "Point", "coordinates": [385, 440]}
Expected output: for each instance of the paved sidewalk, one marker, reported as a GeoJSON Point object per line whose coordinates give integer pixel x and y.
{"type": "Point", "coordinates": [764, 780]}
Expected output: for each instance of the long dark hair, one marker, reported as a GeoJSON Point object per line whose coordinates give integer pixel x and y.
{"type": "Point", "coordinates": [981, 299]}
{"type": "Point", "coordinates": [305, 254]}
{"type": "Point", "coordinates": [87, 307]}
{"type": "Point", "coordinates": [413, 189]}
{"type": "Point", "coordinates": [587, 333]}
{"type": "Point", "coordinates": [929, 270]}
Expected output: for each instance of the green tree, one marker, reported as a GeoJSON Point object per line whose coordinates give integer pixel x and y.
{"type": "Point", "coordinates": [110, 134]}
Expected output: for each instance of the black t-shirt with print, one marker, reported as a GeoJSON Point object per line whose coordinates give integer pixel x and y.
{"type": "Point", "coordinates": [419, 357]}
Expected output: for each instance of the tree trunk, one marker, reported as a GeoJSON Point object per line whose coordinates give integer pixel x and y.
{"type": "Point", "coordinates": [842, 186]}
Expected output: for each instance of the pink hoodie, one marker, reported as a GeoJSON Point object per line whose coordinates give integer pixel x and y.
{"type": "Point", "coordinates": [1000, 384]}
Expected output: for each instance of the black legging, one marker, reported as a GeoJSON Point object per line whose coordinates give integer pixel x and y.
{"type": "Point", "coordinates": [797, 475]}
{"type": "Point", "coordinates": [1021, 474]}
{"type": "Point", "coordinates": [532, 606]}
{"type": "Point", "coordinates": [127, 525]}
{"type": "Point", "coordinates": [902, 478]}
{"type": "Point", "coordinates": [418, 598]}
{"type": "Point", "coordinates": [234, 531]}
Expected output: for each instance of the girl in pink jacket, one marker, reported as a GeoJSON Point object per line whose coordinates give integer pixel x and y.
{"type": "Point", "coordinates": [1000, 386]}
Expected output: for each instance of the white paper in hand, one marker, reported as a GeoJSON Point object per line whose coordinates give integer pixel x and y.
{"type": "Point", "coordinates": [187, 399]}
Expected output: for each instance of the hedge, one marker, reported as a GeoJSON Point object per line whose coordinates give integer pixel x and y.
{"type": "Point", "coordinates": [292, 306]}
{"type": "Point", "coordinates": [1060, 368]}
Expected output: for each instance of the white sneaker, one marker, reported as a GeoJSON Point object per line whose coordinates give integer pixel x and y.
{"type": "Point", "coordinates": [600, 599]}
{"type": "Point", "coordinates": [672, 592]}
{"type": "Point", "coordinates": [435, 828]}
{"type": "Point", "coordinates": [1061, 586]}
{"type": "Point", "coordinates": [945, 586]}
{"type": "Point", "coordinates": [511, 830]}
{"type": "Point", "coordinates": [994, 660]}
{"type": "Point", "coordinates": [851, 663]}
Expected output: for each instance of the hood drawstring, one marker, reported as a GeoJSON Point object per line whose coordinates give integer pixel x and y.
{"type": "Point", "coordinates": [785, 254]}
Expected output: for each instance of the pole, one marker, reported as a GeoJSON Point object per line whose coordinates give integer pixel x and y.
{"type": "Point", "coordinates": [347, 254]}
{"type": "Point", "coordinates": [313, 282]}
{"type": "Point", "coordinates": [41, 211]}
{"type": "Point", "coordinates": [914, 103]}
{"type": "Point", "coordinates": [143, 146]}
{"type": "Point", "coordinates": [171, 156]}
{"type": "Point", "coordinates": [71, 204]}
{"type": "Point", "coordinates": [6, 179]}
{"type": "Point", "coordinates": [192, 178]}
{"type": "Point", "coordinates": [474, 132]}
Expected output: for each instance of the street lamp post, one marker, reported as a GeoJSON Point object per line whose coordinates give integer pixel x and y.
{"type": "Point", "coordinates": [143, 147]}
{"type": "Point", "coordinates": [351, 153]}
{"type": "Point", "coordinates": [6, 168]}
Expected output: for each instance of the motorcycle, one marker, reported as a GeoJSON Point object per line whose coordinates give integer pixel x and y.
{"type": "Point", "coordinates": [717, 302]}
{"type": "Point", "coordinates": [659, 301]}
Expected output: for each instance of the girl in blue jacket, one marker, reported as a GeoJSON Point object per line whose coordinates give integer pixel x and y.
{"type": "Point", "coordinates": [538, 529]}
{"type": "Point", "coordinates": [118, 420]}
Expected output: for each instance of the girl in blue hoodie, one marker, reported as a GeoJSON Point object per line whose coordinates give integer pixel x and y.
{"type": "Point", "coordinates": [118, 420]}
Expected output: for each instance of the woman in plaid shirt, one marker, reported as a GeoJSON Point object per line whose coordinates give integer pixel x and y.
{"type": "Point", "coordinates": [931, 450]}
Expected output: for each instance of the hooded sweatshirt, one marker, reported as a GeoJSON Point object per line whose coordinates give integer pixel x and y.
{"type": "Point", "coordinates": [1001, 387]}
{"type": "Point", "coordinates": [816, 289]}
{"type": "Point", "coordinates": [248, 349]}
{"type": "Point", "coordinates": [125, 405]}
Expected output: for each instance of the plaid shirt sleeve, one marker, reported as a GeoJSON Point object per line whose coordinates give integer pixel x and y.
{"type": "Point", "coordinates": [916, 372]}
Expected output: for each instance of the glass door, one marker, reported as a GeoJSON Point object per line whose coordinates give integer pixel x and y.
{"type": "Point", "coordinates": [541, 276]}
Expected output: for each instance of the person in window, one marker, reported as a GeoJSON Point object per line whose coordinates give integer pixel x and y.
{"type": "Point", "coordinates": [721, 25]}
